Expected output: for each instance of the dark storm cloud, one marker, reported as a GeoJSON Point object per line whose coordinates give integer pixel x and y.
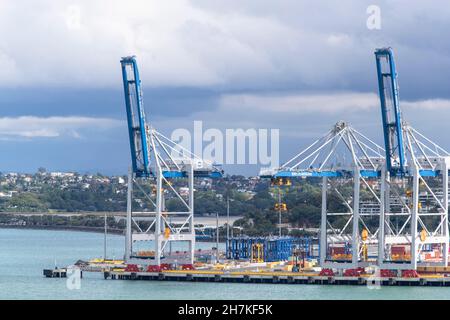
{"type": "Point", "coordinates": [299, 66]}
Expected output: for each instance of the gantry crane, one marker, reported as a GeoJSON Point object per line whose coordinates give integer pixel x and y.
{"type": "Point", "coordinates": [415, 167]}
{"type": "Point", "coordinates": [346, 161]}
{"type": "Point", "coordinates": [406, 189]}
{"type": "Point", "coordinates": [156, 161]}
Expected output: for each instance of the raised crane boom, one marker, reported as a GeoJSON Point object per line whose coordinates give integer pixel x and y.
{"type": "Point", "coordinates": [137, 126]}
{"type": "Point", "coordinates": [150, 150]}
{"type": "Point", "coordinates": [390, 112]}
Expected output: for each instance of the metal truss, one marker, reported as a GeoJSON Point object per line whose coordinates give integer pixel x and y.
{"type": "Point", "coordinates": [155, 227]}
{"type": "Point", "coordinates": [349, 164]}
{"type": "Point", "coordinates": [414, 211]}
{"type": "Point", "coordinates": [335, 154]}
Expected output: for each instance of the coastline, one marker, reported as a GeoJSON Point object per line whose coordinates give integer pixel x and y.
{"type": "Point", "coordinates": [117, 232]}
{"type": "Point", "coordinates": [65, 228]}
{"type": "Point", "coordinates": [85, 222]}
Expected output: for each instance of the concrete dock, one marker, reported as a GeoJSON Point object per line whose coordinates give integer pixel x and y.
{"type": "Point", "coordinates": [276, 278]}
{"type": "Point", "coordinates": [55, 273]}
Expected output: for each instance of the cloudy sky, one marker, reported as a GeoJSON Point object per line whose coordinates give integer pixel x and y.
{"type": "Point", "coordinates": [298, 66]}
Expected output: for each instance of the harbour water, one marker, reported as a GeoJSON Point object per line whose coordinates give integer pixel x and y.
{"type": "Point", "coordinates": [25, 253]}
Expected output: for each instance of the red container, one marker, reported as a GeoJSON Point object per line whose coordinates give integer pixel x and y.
{"type": "Point", "coordinates": [132, 268]}
{"type": "Point", "coordinates": [353, 272]}
{"type": "Point", "coordinates": [398, 250]}
{"type": "Point", "coordinates": [326, 273]}
{"type": "Point", "coordinates": [187, 267]}
{"type": "Point", "coordinates": [152, 268]}
{"type": "Point", "coordinates": [166, 266]}
{"type": "Point", "coordinates": [337, 250]}
{"type": "Point", "coordinates": [410, 274]}
{"type": "Point", "coordinates": [385, 273]}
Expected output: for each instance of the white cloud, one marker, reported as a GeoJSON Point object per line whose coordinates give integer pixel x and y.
{"type": "Point", "coordinates": [52, 127]}
{"type": "Point", "coordinates": [323, 103]}
{"type": "Point", "coordinates": [338, 39]}
{"type": "Point", "coordinates": [204, 43]}
{"type": "Point", "coordinates": [57, 43]}
{"type": "Point", "coordinates": [301, 103]}
{"type": "Point", "coordinates": [73, 17]}
{"type": "Point", "coordinates": [291, 44]}
{"type": "Point", "coordinates": [429, 104]}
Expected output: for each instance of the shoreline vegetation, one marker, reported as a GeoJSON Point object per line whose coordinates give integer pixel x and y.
{"type": "Point", "coordinates": [81, 200]}
{"type": "Point", "coordinates": [70, 221]}
{"type": "Point", "coordinates": [66, 221]}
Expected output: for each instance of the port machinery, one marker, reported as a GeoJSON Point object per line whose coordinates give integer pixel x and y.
{"type": "Point", "coordinates": [268, 249]}
{"type": "Point", "coordinates": [347, 162]}
{"type": "Point", "coordinates": [413, 227]}
{"type": "Point", "coordinates": [156, 162]}
{"type": "Point", "coordinates": [403, 185]}
{"type": "Point", "coordinates": [394, 198]}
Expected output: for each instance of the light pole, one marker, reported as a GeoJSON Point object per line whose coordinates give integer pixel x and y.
{"type": "Point", "coordinates": [279, 211]}
{"type": "Point", "coordinates": [217, 236]}
{"type": "Point", "coordinates": [228, 218]}
{"type": "Point", "coordinates": [104, 240]}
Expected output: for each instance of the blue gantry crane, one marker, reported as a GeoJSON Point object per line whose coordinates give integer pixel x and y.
{"type": "Point", "coordinates": [406, 184]}
{"type": "Point", "coordinates": [156, 160]}
{"type": "Point", "coordinates": [414, 183]}
{"type": "Point", "coordinates": [147, 143]}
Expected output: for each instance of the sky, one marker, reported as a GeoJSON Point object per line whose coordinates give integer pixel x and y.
{"type": "Point", "coordinates": [293, 65]}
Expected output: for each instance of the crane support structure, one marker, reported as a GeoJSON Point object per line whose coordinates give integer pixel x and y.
{"type": "Point", "coordinates": [393, 210]}
{"type": "Point", "coordinates": [157, 164]}
{"type": "Point", "coordinates": [413, 227]}
{"type": "Point", "coordinates": [346, 162]}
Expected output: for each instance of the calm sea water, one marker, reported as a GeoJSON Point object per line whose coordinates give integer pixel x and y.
{"type": "Point", "coordinates": [24, 253]}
